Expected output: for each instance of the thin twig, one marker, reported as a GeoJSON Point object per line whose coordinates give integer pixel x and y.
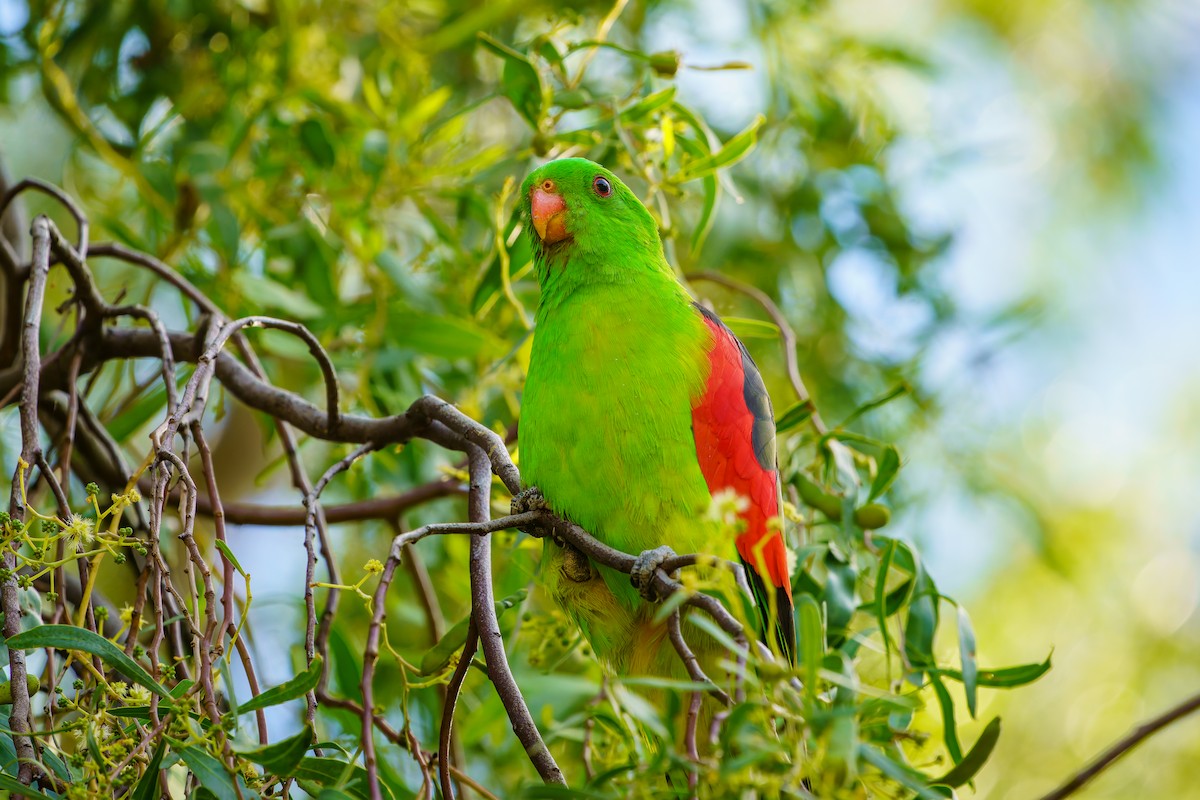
{"type": "Point", "coordinates": [453, 689]}
{"type": "Point", "coordinates": [1123, 746]}
{"type": "Point", "coordinates": [31, 451]}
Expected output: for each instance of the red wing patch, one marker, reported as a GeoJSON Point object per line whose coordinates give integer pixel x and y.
{"type": "Point", "coordinates": [735, 441]}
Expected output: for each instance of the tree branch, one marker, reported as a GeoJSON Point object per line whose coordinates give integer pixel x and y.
{"type": "Point", "coordinates": [1123, 746]}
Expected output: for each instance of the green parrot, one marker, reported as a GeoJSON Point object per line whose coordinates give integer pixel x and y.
{"type": "Point", "coordinates": [639, 407]}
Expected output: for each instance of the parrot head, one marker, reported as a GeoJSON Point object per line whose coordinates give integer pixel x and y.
{"type": "Point", "coordinates": [579, 213]}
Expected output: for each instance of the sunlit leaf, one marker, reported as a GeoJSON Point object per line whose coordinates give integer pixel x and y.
{"type": "Point", "coordinates": [68, 637]}
{"type": "Point", "coordinates": [966, 650]}
{"type": "Point", "coordinates": [737, 148]}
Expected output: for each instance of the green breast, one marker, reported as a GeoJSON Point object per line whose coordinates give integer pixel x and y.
{"type": "Point", "coordinates": [606, 427]}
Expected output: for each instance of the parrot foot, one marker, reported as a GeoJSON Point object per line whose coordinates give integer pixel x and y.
{"type": "Point", "coordinates": [529, 499]}
{"type": "Point", "coordinates": [642, 574]}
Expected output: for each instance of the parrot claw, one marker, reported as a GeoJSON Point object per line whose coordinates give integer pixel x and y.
{"type": "Point", "coordinates": [642, 574]}
{"type": "Point", "coordinates": [529, 499]}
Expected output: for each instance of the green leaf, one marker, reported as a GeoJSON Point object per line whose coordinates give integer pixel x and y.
{"type": "Point", "coordinates": [795, 416]}
{"type": "Point", "coordinates": [318, 141]}
{"type": "Point", "coordinates": [841, 597]}
{"type": "Point", "coordinates": [147, 787]}
{"type": "Point", "coordinates": [889, 465]}
{"type": "Point", "coordinates": [443, 336]}
{"type": "Point", "coordinates": [210, 772]}
{"type": "Point", "coordinates": [969, 767]}
{"type": "Point", "coordinates": [811, 639]}
{"type": "Point", "coordinates": [334, 774]}
{"type": "Point", "coordinates": [1005, 677]}
{"type": "Point", "coordinates": [745, 328]}
{"type": "Point", "coordinates": [68, 637]}
{"type": "Point", "coordinates": [346, 664]}
{"type": "Point", "coordinates": [712, 192]}
{"type": "Point", "coordinates": [15, 786]}
{"type": "Point", "coordinates": [280, 758]}
{"type": "Point", "coordinates": [153, 401]}
{"type": "Point", "coordinates": [733, 151]}
{"type": "Point", "coordinates": [438, 657]}
{"type": "Point", "coordinates": [274, 296]}
{"type": "Point", "coordinates": [921, 624]}
{"type": "Point", "coordinates": [949, 725]}
{"type": "Point", "coordinates": [896, 391]}
{"type": "Point", "coordinates": [966, 652]}
{"type": "Point", "coordinates": [901, 773]}
{"type": "Point", "coordinates": [885, 567]}
{"type": "Point", "coordinates": [520, 80]}
{"type": "Point", "coordinates": [298, 686]}
{"type": "Point", "coordinates": [228, 553]}
{"type": "Point", "coordinates": [226, 230]}
{"type": "Point", "coordinates": [648, 105]}
{"type": "Point", "coordinates": [675, 684]}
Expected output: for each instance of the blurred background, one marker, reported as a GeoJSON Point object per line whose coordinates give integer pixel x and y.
{"type": "Point", "coordinates": [995, 206]}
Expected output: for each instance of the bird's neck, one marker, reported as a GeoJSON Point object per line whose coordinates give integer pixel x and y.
{"type": "Point", "coordinates": [578, 272]}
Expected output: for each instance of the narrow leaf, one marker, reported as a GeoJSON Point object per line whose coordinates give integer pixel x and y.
{"type": "Point", "coordinates": [811, 641]}
{"type": "Point", "coordinates": [210, 772]}
{"type": "Point", "coordinates": [281, 758]}
{"type": "Point", "coordinates": [885, 566]}
{"type": "Point", "coordinates": [712, 192]}
{"type": "Point", "coordinates": [68, 637]}
{"type": "Point", "coordinates": [841, 597]}
{"type": "Point", "coordinates": [949, 725]}
{"type": "Point", "coordinates": [900, 773]}
{"type": "Point", "coordinates": [332, 773]}
{"type": "Point", "coordinates": [733, 151]}
{"type": "Point", "coordinates": [969, 767]}
{"type": "Point", "coordinates": [889, 465]}
{"type": "Point", "coordinates": [14, 785]}
{"type": "Point", "coordinates": [520, 80]}
{"type": "Point", "coordinates": [1005, 677]}
{"type": "Point", "coordinates": [298, 686]}
{"type": "Point", "coordinates": [966, 651]}
{"type": "Point", "coordinates": [147, 787]}
{"type": "Point", "coordinates": [795, 416]}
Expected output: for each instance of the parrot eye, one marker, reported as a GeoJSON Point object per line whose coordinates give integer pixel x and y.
{"type": "Point", "coordinates": [602, 186]}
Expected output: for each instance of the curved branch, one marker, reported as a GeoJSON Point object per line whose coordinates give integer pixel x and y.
{"type": "Point", "coordinates": [483, 611]}
{"type": "Point", "coordinates": [385, 508]}
{"type": "Point", "coordinates": [1123, 746]}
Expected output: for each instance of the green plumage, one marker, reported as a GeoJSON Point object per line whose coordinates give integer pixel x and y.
{"type": "Point", "coordinates": [606, 431]}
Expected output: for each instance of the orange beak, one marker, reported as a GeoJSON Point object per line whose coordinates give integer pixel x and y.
{"type": "Point", "coordinates": [549, 215]}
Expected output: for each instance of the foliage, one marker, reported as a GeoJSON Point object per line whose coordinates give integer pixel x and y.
{"type": "Point", "coordinates": [353, 167]}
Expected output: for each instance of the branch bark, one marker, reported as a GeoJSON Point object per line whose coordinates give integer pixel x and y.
{"type": "Point", "coordinates": [1123, 745]}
